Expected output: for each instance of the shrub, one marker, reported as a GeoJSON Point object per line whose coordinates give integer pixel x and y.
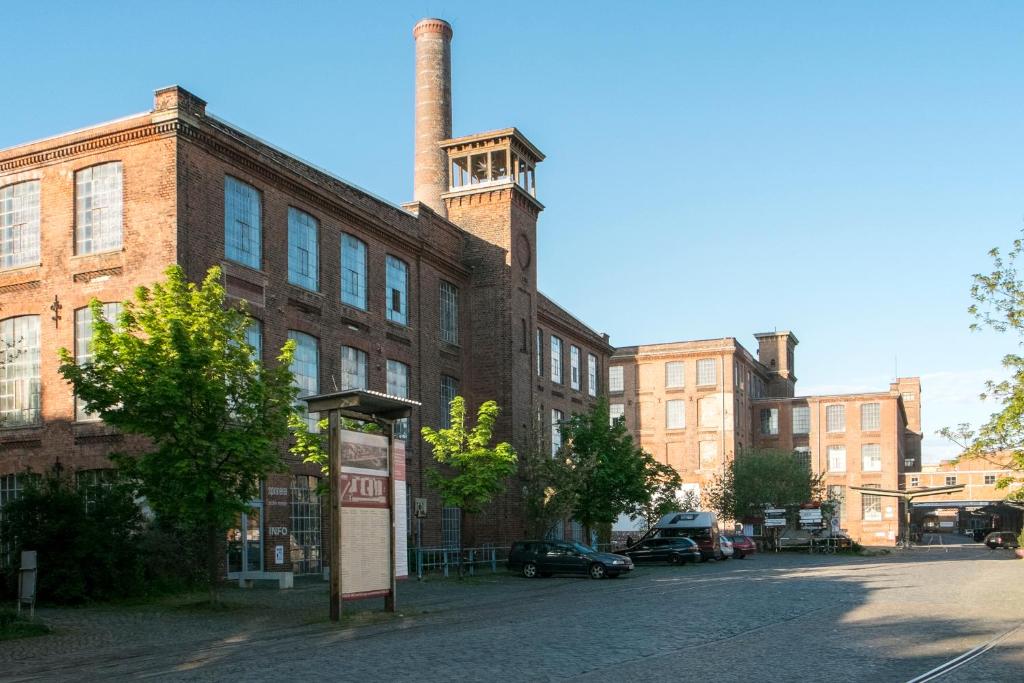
{"type": "Point", "coordinates": [87, 540]}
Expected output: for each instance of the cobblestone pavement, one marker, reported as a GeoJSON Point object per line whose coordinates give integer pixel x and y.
{"type": "Point", "coordinates": [767, 618]}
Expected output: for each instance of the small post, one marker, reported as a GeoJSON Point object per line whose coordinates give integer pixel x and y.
{"type": "Point", "coordinates": [494, 561]}
{"type": "Point", "coordinates": [334, 471]}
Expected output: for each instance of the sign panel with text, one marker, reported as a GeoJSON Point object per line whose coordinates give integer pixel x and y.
{"type": "Point", "coordinates": [365, 534]}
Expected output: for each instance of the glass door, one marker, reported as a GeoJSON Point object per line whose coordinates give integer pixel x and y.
{"type": "Point", "coordinates": [245, 542]}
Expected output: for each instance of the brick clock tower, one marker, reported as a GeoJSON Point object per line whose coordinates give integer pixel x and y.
{"type": "Point", "coordinates": [485, 184]}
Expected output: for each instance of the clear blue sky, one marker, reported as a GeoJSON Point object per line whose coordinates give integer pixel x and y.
{"type": "Point", "coordinates": [714, 169]}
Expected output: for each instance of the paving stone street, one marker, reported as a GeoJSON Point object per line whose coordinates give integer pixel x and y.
{"type": "Point", "coordinates": [787, 617]}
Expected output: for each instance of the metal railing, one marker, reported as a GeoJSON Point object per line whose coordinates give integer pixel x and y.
{"type": "Point", "coordinates": [446, 560]}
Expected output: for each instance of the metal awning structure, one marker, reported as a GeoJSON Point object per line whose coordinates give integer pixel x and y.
{"type": "Point", "coordinates": [362, 404]}
{"type": "Point", "coordinates": [908, 496]}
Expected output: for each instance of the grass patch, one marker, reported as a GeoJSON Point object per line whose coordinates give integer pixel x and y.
{"type": "Point", "coordinates": [13, 625]}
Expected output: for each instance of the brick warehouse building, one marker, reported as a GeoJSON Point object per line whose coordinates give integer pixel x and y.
{"type": "Point", "coordinates": [427, 300]}
{"type": "Point", "coordinates": [695, 405]}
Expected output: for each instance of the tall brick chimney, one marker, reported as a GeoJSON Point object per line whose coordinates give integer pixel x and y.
{"type": "Point", "coordinates": [433, 111]}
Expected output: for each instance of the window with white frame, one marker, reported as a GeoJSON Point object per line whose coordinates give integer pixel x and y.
{"type": "Point", "coordinates": [615, 379]}
{"type": "Point", "coordinates": [837, 458]}
{"type": "Point", "coordinates": [871, 457]}
{"type": "Point", "coordinates": [353, 368]}
{"type": "Point", "coordinates": [770, 421]}
{"type": "Point", "coordinates": [397, 291]}
{"type": "Point", "coordinates": [540, 352]}
{"type": "Point", "coordinates": [801, 420]}
{"type": "Point", "coordinates": [303, 259]}
{"type": "Point", "coordinates": [449, 390]}
{"type": "Point", "coordinates": [592, 374]}
{"type": "Point", "coordinates": [616, 411]}
{"type": "Point", "coordinates": [449, 312]}
{"type": "Point", "coordinates": [242, 223]}
{"type": "Point", "coordinates": [574, 367]}
{"type": "Point", "coordinates": [398, 385]}
{"type": "Point", "coordinates": [951, 480]}
{"type": "Point", "coordinates": [83, 347]}
{"type": "Point", "coordinates": [556, 359]}
{"type": "Point", "coordinates": [10, 490]}
{"type": "Point", "coordinates": [915, 481]}
{"type": "Point", "coordinates": [835, 418]}
{"type": "Point", "coordinates": [871, 505]}
{"type": "Point", "coordinates": [99, 208]}
{"type": "Point", "coordinates": [990, 479]}
{"type": "Point", "coordinates": [803, 454]}
{"type": "Point", "coordinates": [353, 271]}
{"type": "Point", "coordinates": [675, 414]}
{"type": "Point", "coordinates": [20, 386]}
{"type": "Point", "coordinates": [908, 396]}
{"type": "Point", "coordinates": [706, 375]}
{"type": "Point", "coordinates": [306, 373]}
{"type": "Point", "coordinates": [870, 416]}
{"type": "Point", "coordinates": [556, 431]}
{"type": "Point", "coordinates": [19, 225]}
{"type": "Point", "coordinates": [674, 375]}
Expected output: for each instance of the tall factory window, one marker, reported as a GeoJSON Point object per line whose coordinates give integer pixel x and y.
{"type": "Point", "coordinates": [98, 208]}
{"type": "Point", "coordinates": [242, 223]}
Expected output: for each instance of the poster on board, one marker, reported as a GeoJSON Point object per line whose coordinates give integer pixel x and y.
{"type": "Point", "coordinates": [366, 490]}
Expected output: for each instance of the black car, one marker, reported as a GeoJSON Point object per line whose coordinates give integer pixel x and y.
{"type": "Point", "coordinates": [544, 558]}
{"type": "Point", "coordinates": [678, 550]}
{"type": "Point", "coordinates": [1002, 539]}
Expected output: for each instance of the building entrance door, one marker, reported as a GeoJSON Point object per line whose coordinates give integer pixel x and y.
{"type": "Point", "coordinates": [245, 542]}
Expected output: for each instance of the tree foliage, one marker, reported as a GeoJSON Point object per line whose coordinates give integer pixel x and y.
{"type": "Point", "coordinates": [610, 474]}
{"type": "Point", "coordinates": [472, 471]}
{"type": "Point", "coordinates": [761, 477]}
{"type": "Point", "coordinates": [87, 540]}
{"type": "Point", "coordinates": [999, 306]}
{"type": "Point", "coordinates": [176, 368]}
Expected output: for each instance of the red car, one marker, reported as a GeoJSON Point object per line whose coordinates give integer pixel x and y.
{"type": "Point", "coordinates": [742, 546]}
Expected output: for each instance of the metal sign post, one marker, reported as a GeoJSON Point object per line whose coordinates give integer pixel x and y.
{"type": "Point", "coordinates": [27, 580]}
{"type": "Point", "coordinates": [362, 471]}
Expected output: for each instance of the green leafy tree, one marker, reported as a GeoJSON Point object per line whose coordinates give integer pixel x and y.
{"type": "Point", "coordinates": [762, 477]}
{"type": "Point", "coordinates": [999, 306]}
{"type": "Point", "coordinates": [471, 472]}
{"type": "Point", "coordinates": [689, 501]}
{"type": "Point", "coordinates": [662, 483]}
{"type": "Point", "coordinates": [177, 369]}
{"type": "Point", "coordinates": [611, 474]}
{"type": "Point", "coordinates": [547, 485]}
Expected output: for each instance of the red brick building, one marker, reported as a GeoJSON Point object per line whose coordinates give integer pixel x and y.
{"type": "Point", "coordinates": [430, 299]}
{"type": "Point", "coordinates": [696, 405]}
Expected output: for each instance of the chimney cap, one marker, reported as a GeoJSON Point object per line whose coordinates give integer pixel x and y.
{"type": "Point", "coordinates": [176, 97]}
{"type": "Point", "coordinates": [431, 25]}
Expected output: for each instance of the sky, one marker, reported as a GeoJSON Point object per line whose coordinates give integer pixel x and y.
{"type": "Point", "coordinates": [713, 169]}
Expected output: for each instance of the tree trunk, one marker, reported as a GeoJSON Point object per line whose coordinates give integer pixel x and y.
{"type": "Point", "coordinates": [212, 546]}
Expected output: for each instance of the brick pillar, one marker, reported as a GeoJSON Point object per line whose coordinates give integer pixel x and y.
{"type": "Point", "coordinates": [433, 111]}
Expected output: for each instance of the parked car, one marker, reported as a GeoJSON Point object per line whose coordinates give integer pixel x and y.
{"type": "Point", "coordinates": [742, 546]}
{"type": "Point", "coordinates": [544, 558]}
{"type": "Point", "coordinates": [679, 550]}
{"type": "Point", "coordinates": [701, 527]}
{"type": "Point", "coordinates": [980, 534]}
{"type": "Point", "coordinates": [1002, 539]}
{"type": "Point", "coordinates": [726, 546]}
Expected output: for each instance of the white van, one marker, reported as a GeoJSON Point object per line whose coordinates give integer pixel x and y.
{"type": "Point", "coordinates": [701, 527]}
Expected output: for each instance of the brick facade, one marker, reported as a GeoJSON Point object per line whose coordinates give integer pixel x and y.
{"type": "Point", "coordinates": [175, 162]}
{"type": "Point", "coordinates": [749, 402]}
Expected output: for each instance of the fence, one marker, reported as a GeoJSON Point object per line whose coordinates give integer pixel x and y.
{"type": "Point", "coordinates": [446, 560]}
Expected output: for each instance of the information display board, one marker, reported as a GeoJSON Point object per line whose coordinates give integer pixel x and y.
{"type": "Point", "coordinates": [365, 530]}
